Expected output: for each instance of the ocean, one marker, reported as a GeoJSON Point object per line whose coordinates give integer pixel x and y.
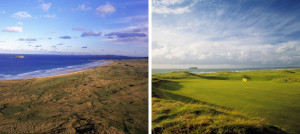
{"type": "Point", "coordinates": [34, 65]}
{"type": "Point", "coordinates": [214, 70]}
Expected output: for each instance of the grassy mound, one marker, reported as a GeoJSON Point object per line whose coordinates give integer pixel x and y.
{"type": "Point", "coordinates": [169, 116]}
{"type": "Point", "coordinates": [175, 75]}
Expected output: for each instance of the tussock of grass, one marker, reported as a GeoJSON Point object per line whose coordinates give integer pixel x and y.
{"type": "Point", "coordinates": [169, 116]}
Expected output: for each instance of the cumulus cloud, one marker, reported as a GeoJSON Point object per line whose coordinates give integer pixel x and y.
{"type": "Point", "coordinates": [27, 39]}
{"type": "Point", "coordinates": [79, 28]}
{"type": "Point", "coordinates": [104, 10]}
{"type": "Point", "coordinates": [21, 15]}
{"type": "Point", "coordinates": [45, 6]}
{"type": "Point", "coordinates": [50, 16]}
{"type": "Point", "coordinates": [90, 33]}
{"type": "Point", "coordinates": [12, 29]}
{"type": "Point", "coordinates": [65, 37]}
{"type": "Point", "coordinates": [83, 7]}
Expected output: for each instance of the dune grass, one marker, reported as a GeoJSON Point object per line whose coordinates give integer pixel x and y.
{"type": "Point", "coordinates": [271, 94]}
{"type": "Point", "coordinates": [106, 99]}
{"type": "Point", "coordinates": [169, 116]}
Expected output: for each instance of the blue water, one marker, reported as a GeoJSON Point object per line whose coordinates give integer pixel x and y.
{"type": "Point", "coordinates": [47, 65]}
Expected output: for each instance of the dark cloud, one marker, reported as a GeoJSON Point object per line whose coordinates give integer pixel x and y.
{"type": "Point", "coordinates": [79, 28]}
{"type": "Point", "coordinates": [65, 37]}
{"type": "Point", "coordinates": [59, 44]}
{"type": "Point", "coordinates": [54, 46]}
{"type": "Point", "coordinates": [90, 33]}
{"type": "Point", "coordinates": [84, 47]}
{"type": "Point", "coordinates": [28, 39]}
{"type": "Point", "coordinates": [125, 35]}
{"type": "Point", "coordinates": [49, 38]}
{"type": "Point", "coordinates": [38, 46]}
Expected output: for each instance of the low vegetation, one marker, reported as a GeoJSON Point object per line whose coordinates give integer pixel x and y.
{"type": "Point", "coordinates": [271, 95]}
{"type": "Point", "coordinates": [106, 99]}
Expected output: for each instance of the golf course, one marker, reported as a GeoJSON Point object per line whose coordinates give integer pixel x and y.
{"type": "Point", "coordinates": [267, 102]}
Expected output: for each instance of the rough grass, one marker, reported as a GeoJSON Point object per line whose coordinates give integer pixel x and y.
{"type": "Point", "coordinates": [169, 116]}
{"type": "Point", "coordinates": [106, 99]}
{"type": "Point", "coordinates": [271, 94]}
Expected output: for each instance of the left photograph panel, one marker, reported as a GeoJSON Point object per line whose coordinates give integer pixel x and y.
{"type": "Point", "coordinates": [74, 66]}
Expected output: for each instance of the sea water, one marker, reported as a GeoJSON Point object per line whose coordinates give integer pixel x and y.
{"type": "Point", "coordinates": [33, 65]}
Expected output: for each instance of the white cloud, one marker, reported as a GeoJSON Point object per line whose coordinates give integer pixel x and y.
{"type": "Point", "coordinates": [45, 6]}
{"type": "Point", "coordinates": [105, 10]}
{"type": "Point", "coordinates": [215, 35]}
{"type": "Point", "coordinates": [21, 15]}
{"type": "Point", "coordinates": [12, 29]}
{"type": "Point", "coordinates": [50, 16]}
{"type": "Point", "coordinates": [170, 7]}
{"type": "Point", "coordinates": [20, 23]}
{"type": "Point", "coordinates": [167, 2]}
{"type": "Point", "coordinates": [83, 7]}
{"type": "Point", "coordinates": [177, 48]}
{"type": "Point", "coordinates": [167, 10]}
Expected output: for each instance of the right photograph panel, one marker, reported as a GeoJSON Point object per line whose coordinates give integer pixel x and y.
{"type": "Point", "coordinates": [226, 66]}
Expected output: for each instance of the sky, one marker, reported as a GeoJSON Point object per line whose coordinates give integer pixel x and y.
{"type": "Point", "coordinates": [74, 27]}
{"type": "Point", "coordinates": [225, 33]}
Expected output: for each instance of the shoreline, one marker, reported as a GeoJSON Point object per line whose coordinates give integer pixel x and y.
{"type": "Point", "coordinates": [67, 72]}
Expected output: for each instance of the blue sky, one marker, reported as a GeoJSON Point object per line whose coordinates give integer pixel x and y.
{"type": "Point", "coordinates": [98, 27]}
{"type": "Point", "coordinates": [226, 33]}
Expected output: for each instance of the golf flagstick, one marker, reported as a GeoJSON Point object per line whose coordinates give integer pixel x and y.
{"type": "Point", "coordinates": [243, 80]}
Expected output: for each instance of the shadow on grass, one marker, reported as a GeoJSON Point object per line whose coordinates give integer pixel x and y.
{"type": "Point", "coordinates": [174, 86]}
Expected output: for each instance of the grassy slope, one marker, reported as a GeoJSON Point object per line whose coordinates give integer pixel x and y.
{"type": "Point", "coordinates": [107, 99]}
{"type": "Point", "coordinates": [273, 95]}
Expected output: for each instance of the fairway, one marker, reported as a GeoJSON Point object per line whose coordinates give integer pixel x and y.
{"type": "Point", "coordinates": [277, 102]}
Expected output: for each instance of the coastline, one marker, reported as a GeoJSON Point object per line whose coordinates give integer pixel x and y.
{"type": "Point", "coordinates": [111, 95]}
{"type": "Point", "coordinates": [66, 72]}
